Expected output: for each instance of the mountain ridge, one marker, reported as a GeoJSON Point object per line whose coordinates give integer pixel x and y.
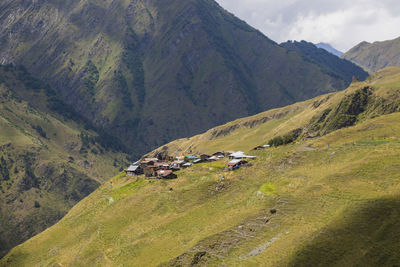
{"type": "Point", "coordinates": [123, 65]}
{"type": "Point", "coordinates": [375, 56]}
{"type": "Point", "coordinates": [331, 63]}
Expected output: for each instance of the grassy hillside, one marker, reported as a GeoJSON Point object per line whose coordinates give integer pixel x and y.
{"type": "Point", "coordinates": [375, 56]}
{"type": "Point", "coordinates": [47, 161]}
{"type": "Point", "coordinates": [330, 200]}
{"type": "Point", "coordinates": [362, 100]}
{"type": "Point", "coordinates": [134, 68]}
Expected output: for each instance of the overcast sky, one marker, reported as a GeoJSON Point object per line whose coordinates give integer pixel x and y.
{"type": "Point", "coordinates": [342, 23]}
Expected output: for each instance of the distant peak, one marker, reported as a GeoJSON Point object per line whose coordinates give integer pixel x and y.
{"type": "Point", "coordinates": [358, 47]}
{"type": "Point", "coordinates": [363, 43]}
{"type": "Point", "coordinates": [329, 48]}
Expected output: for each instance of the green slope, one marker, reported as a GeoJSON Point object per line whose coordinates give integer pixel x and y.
{"type": "Point", "coordinates": [47, 162]}
{"type": "Point", "coordinates": [375, 56]}
{"type": "Point", "coordinates": [134, 68]}
{"type": "Point", "coordinates": [331, 200]}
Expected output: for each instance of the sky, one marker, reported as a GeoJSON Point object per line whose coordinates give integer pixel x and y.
{"type": "Point", "coordinates": [341, 23]}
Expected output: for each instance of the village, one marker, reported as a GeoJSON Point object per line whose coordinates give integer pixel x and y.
{"type": "Point", "coordinates": [165, 167]}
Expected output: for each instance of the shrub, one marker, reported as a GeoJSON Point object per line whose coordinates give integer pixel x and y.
{"type": "Point", "coordinates": [4, 172]}
{"type": "Point", "coordinates": [40, 131]}
{"type": "Point", "coordinates": [37, 204]}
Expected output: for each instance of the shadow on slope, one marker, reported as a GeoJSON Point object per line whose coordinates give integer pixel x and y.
{"type": "Point", "coordinates": [366, 236]}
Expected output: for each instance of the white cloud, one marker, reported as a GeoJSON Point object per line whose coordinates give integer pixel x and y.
{"type": "Point", "coordinates": [342, 23]}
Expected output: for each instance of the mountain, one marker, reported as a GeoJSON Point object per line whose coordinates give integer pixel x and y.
{"type": "Point", "coordinates": [334, 65]}
{"type": "Point", "coordinates": [330, 49]}
{"type": "Point", "coordinates": [328, 198]}
{"type": "Point", "coordinates": [375, 56]}
{"type": "Point", "coordinates": [135, 68]}
{"type": "Point", "coordinates": [48, 162]}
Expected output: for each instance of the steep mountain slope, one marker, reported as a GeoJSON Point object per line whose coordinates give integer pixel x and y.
{"type": "Point", "coordinates": [328, 199]}
{"type": "Point", "coordinates": [47, 162]}
{"type": "Point", "coordinates": [330, 49]}
{"type": "Point", "coordinates": [344, 69]}
{"type": "Point", "coordinates": [376, 96]}
{"type": "Point", "coordinates": [136, 67]}
{"type": "Point", "coordinates": [375, 56]}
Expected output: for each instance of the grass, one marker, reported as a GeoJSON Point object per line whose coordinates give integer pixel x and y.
{"type": "Point", "coordinates": [335, 198]}
{"type": "Point", "coordinates": [268, 188]}
{"type": "Point", "coordinates": [128, 189]}
{"type": "Point", "coordinates": [247, 133]}
{"type": "Point", "coordinates": [313, 191]}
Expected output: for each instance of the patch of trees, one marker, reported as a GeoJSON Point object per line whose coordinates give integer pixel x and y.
{"type": "Point", "coordinates": [29, 180]}
{"type": "Point", "coordinates": [86, 141]}
{"type": "Point", "coordinates": [346, 113]}
{"type": "Point", "coordinates": [40, 131]}
{"type": "Point", "coordinates": [124, 88]}
{"type": "Point", "coordinates": [110, 142]}
{"type": "Point", "coordinates": [57, 105]}
{"type": "Point", "coordinates": [285, 139]}
{"type": "Point", "coordinates": [133, 61]}
{"type": "Point", "coordinates": [29, 81]}
{"type": "Point", "coordinates": [92, 77]}
{"type": "Point", "coordinates": [4, 172]}
{"type": "Point", "coordinates": [107, 141]}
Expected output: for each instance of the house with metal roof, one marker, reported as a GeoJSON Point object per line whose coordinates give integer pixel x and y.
{"type": "Point", "coordinates": [148, 161]}
{"type": "Point", "coordinates": [187, 165]}
{"type": "Point", "coordinates": [240, 155]}
{"type": "Point", "coordinates": [261, 147]}
{"type": "Point", "coordinates": [213, 158]}
{"type": "Point", "coordinates": [166, 174]}
{"type": "Point", "coordinates": [134, 170]}
{"type": "Point", "coordinates": [177, 163]}
{"type": "Point", "coordinates": [204, 157]}
{"type": "Point", "coordinates": [219, 154]}
{"type": "Point", "coordinates": [191, 157]}
{"type": "Point", "coordinates": [236, 164]}
{"type": "Point", "coordinates": [196, 161]}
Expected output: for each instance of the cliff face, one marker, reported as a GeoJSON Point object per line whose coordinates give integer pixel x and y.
{"type": "Point", "coordinates": [137, 67]}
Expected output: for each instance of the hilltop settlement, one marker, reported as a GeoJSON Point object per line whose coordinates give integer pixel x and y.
{"type": "Point", "coordinates": [164, 166]}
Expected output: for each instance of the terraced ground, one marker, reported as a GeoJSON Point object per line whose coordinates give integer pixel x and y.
{"type": "Point", "coordinates": [330, 198]}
